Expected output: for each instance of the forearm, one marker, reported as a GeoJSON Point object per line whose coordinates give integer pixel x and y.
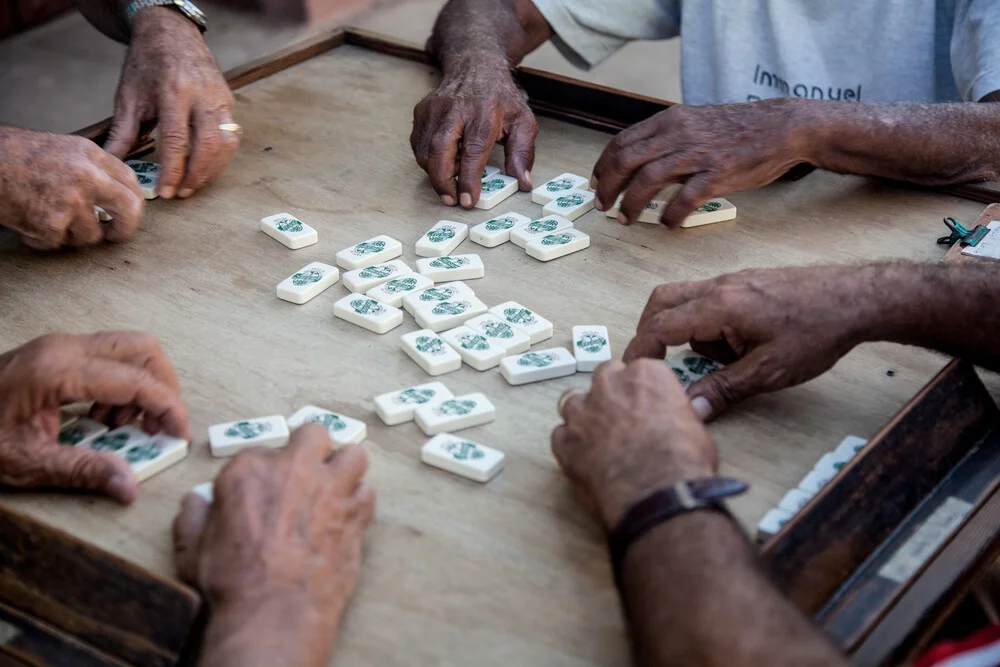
{"type": "Point", "coordinates": [694, 595]}
{"type": "Point", "coordinates": [108, 16]}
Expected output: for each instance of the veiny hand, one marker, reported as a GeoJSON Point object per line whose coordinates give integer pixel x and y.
{"type": "Point", "coordinates": [634, 433]}
{"type": "Point", "coordinates": [277, 554]}
{"type": "Point", "coordinates": [781, 327]}
{"type": "Point", "coordinates": [455, 127]}
{"type": "Point", "coordinates": [170, 75]}
{"type": "Point", "coordinates": [114, 368]}
{"type": "Point", "coordinates": [50, 184]}
{"type": "Point", "coordinates": [712, 150]}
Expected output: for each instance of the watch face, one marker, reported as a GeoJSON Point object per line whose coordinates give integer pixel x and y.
{"type": "Point", "coordinates": [192, 12]}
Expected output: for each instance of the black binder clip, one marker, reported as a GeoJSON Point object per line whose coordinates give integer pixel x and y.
{"type": "Point", "coordinates": [963, 235]}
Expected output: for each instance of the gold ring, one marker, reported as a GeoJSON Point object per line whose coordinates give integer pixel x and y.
{"type": "Point", "coordinates": [566, 395]}
{"type": "Point", "coordinates": [235, 128]}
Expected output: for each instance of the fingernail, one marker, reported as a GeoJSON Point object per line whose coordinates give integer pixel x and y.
{"type": "Point", "coordinates": [167, 192]}
{"type": "Point", "coordinates": [598, 205]}
{"type": "Point", "coordinates": [622, 220]}
{"type": "Point", "coordinates": [185, 193]}
{"type": "Point", "coordinates": [701, 407]}
{"type": "Point", "coordinates": [593, 182]}
{"type": "Point", "coordinates": [120, 488]}
{"type": "Point", "coordinates": [466, 200]}
{"type": "Point", "coordinates": [447, 200]}
{"type": "Point", "coordinates": [527, 177]}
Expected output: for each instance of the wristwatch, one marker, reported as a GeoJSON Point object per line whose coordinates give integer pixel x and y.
{"type": "Point", "coordinates": [185, 7]}
{"type": "Point", "coordinates": [666, 503]}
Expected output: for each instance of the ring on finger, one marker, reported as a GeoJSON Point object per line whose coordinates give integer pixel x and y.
{"type": "Point", "coordinates": [235, 128]}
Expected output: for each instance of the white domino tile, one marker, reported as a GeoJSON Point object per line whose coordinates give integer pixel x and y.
{"type": "Point", "coordinates": [794, 500]}
{"type": "Point", "coordinates": [813, 482]}
{"type": "Point", "coordinates": [850, 446]}
{"type": "Point", "coordinates": [118, 440]}
{"type": "Point", "coordinates": [362, 280]}
{"type": "Point", "coordinates": [772, 523]}
{"type": "Point", "coordinates": [650, 213]}
{"type": "Point", "coordinates": [148, 175]}
{"type": "Point", "coordinates": [377, 250]}
{"type": "Point", "coordinates": [453, 267]}
{"type": "Point", "coordinates": [537, 327]}
{"type": "Point", "coordinates": [547, 364]}
{"type": "Point", "coordinates": [496, 231]}
{"type": "Point", "coordinates": [430, 352]}
{"type": "Point", "coordinates": [511, 339]}
{"type": "Point", "coordinates": [548, 191]}
{"type": "Point", "coordinates": [393, 291]}
{"type": "Point", "coordinates": [368, 313]}
{"type": "Point", "coordinates": [155, 454]}
{"type": "Point", "coordinates": [462, 457]}
{"type": "Point", "coordinates": [828, 466]}
{"type": "Point", "coordinates": [230, 438]}
{"type": "Point", "coordinates": [570, 204]}
{"type": "Point", "coordinates": [343, 430]}
{"type": "Point", "coordinates": [591, 346]}
{"type": "Point", "coordinates": [495, 189]}
{"type": "Point", "coordinates": [81, 431]}
{"type": "Point", "coordinates": [444, 315]}
{"type": "Point", "coordinates": [288, 230]}
{"type": "Point", "coordinates": [397, 407]}
{"type": "Point", "coordinates": [442, 239]}
{"type": "Point", "coordinates": [206, 490]}
{"type": "Point", "coordinates": [307, 282]}
{"type": "Point", "coordinates": [455, 414]}
{"type": "Point", "coordinates": [714, 210]}
{"type": "Point", "coordinates": [536, 229]}
{"type": "Point", "coordinates": [490, 171]}
{"type": "Point", "coordinates": [558, 244]}
{"type": "Point", "coordinates": [476, 350]}
{"type": "Point", "coordinates": [689, 366]}
{"type": "Point", "coordinates": [442, 292]}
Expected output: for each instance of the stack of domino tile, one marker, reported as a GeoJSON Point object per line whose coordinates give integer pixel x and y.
{"type": "Point", "coordinates": [273, 431]}
{"type": "Point", "coordinates": [822, 473]}
{"type": "Point", "coordinates": [146, 454]}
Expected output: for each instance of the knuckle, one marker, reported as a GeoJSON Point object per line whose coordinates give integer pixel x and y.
{"type": "Point", "coordinates": [173, 139]}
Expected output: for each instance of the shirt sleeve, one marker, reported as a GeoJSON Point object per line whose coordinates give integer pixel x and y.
{"type": "Point", "coordinates": [975, 49]}
{"type": "Point", "coordinates": [589, 31]}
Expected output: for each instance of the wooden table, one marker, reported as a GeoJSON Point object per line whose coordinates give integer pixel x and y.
{"type": "Point", "coordinates": [513, 572]}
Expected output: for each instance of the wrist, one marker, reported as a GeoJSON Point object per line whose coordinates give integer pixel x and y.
{"type": "Point", "coordinates": [807, 129]}
{"type": "Point", "coordinates": [477, 65]}
{"type": "Point", "coordinates": [629, 488]}
{"type": "Point", "coordinates": [152, 21]}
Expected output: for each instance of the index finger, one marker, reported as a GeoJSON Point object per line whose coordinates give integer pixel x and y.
{"type": "Point", "coordinates": [134, 347]}
{"type": "Point", "coordinates": [671, 295]}
{"type": "Point", "coordinates": [441, 158]}
{"type": "Point", "coordinates": [673, 326]}
{"type": "Point", "coordinates": [477, 141]}
{"type": "Point", "coordinates": [174, 134]}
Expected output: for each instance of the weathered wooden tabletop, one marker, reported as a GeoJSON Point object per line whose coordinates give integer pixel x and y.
{"type": "Point", "coordinates": [456, 573]}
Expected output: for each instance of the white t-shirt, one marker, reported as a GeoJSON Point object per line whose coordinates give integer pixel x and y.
{"type": "Point", "coordinates": [746, 50]}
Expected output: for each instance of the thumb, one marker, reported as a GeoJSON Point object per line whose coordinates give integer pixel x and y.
{"type": "Point", "coordinates": [188, 528]}
{"type": "Point", "coordinates": [714, 394]}
{"type": "Point", "coordinates": [519, 150]}
{"type": "Point", "coordinates": [124, 129]}
{"type": "Point", "coordinates": [82, 468]}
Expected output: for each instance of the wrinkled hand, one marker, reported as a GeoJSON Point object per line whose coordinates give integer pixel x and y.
{"type": "Point", "coordinates": [712, 150]}
{"type": "Point", "coordinates": [50, 184]}
{"type": "Point", "coordinates": [277, 553]}
{"type": "Point", "coordinates": [114, 368]}
{"type": "Point", "coordinates": [455, 127]}
{"type": "Point", "coordinates": [633, 433]}
{"type": "Point", "coordinates": [170, 75]}
{"type": "Point", "coordinates": [780, 327]}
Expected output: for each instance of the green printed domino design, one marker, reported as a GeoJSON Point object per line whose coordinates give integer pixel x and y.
{"type": "Point", "coordinates": [306, 277]}
{"type": "Point", "coordinates": [414, 396]}
{"type": "Point", "coordinates": [495, 329]}
{"type": "Point", "coordinates": [569, 201]}
{"type": "Point", "coordinates": [473, 342]}
{"type": "Point", "coordinates": [652, 206]}
{"type": "Point", "coordinates": [451, 308]}
{"type": "Point", "coordinates": [441, 234]}
{"type": "Point", "coordinates": [247, 430]}
{"type": "Point", "coordinates": [557, 184]}
{"type": "Point", "coordinates": [73, 435]}
{"type": "Point", "coordinates": [400, 285]}
{"type": "Point", "coordinates": [499, 224]}
{"type": "Point", "coordinates": [289, 225]}
{"type": "Point", "coordinates": [430, 345]}
{"type": "Point", "coordinates": [368, 248]}
{"type": "Point", "coordinates": [141, 453]}
{"type": "Point", "coordinates": [540, 226]}
{"type": "Point", "coordinates": [493, 185]}
{"type": "Point", "coordinates": [701, 365]}
{"type": "Point", "coordinates": [536, 359]}
{"type": "Point", "coordinates": [557, 239]}
{"type": "Point", "coordinates": [519, 316]}
{"type": "Point", "coordinates": [141, 167]}
{"type": "Point", "coordinates": [144, 180]}
{"type": "Point", "coordinates": [332, 422]}
{"type": "Point", "coordinates": [710, 206]}
{"type": "Point", "coordinates": [455, 408]}
{"type": "Point", "coordinates": [591, 342]}
{"type": "Point", "coordinates": [449, 262]}
{"type": "Point", "coordinates": [682, 376]}
{"type": "Point", "coordinates": [438, 293]}
{"type": "Point", "coordinates": [464, 450]}
{"type": "Point", "coordinates": [369, 307]}
{"type": "Point", "coordinates": [110, 442]}
{"type": "Point", "coordinates": [377, 271]}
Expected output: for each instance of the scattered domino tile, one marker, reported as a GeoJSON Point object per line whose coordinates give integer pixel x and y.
{"type": "Point", "coordinates": [289, 230]}
{"type": "Point", "coordinates": [343, 430]}
{"type": "Point", "coordinates": [307, 282]}
{"type": "Point", "coordinates": [714, 210]}
{"type": "Point", "coordinates": [148, 175]}
{"type": "Point", "coordinates": [118, 440]}
{"type": "Point", "coordinates": [81, 432]}
{"type": "Point", "coordinates": [228, 439]}
{"type": "Point", "coordinates": [571, 204]}
{"type": "Point", "coordinates": [555, 362]}
{"type": "Point", "coordinates": [689, 366]}
{"type": "Point", "coordinates": [511, 339]}
{"type": "Point", "coordinates": [537, 327]}
{"type": "Point", "coordinates": [490, 171]}
{"type": "Point", "coordinates": [794, 500]}
{"type": "Point", "coordinates": [772, 523]}
{"type": "Point", "coordinates": [66, 418]}
{"type": "Point", "coordinates": [455, 414]}
{"type": "Point", "coordinates": [205, 490]}
{"type": "Point", "coordinates": [430, 352]}
{"type": "Point", "coordinates": [397, 407]}
{"type": "Point", "coordinates": [521, 235]}
{"type": "Point", "coordinates": [362, 280]}
{"type": "Point", "coordinates": [454, 267]}
{"type": "Point", "coordinates": [102, 215]}
{"type": "Point", "coordinates": [368, 313]}
{"type": "Point", "coordinates": [476, 350]}
{"type": "Point", "coordinates": [850, 446]}
{"type": "Point", "coordinates": [442, 239]}
{"type": "Point", "coordinates": [495, 189]}
{"type": "Point", "coordinates": [393, 291]}
{"type": "Point", "coordinates": [651, 212]}
{"type": "Point", "coordinates": [462, 457]}
{"type": "Point", "coordinates": [155, 454]}
{"type": "Point", "coordinates": [377, 250]}
{"type": "Point", "coordinates": [813, 482]}
{"type": "Point", "coordinates": [448, 314]}
{"type": "Point", "coordinates": [559, 244]}
{"type": "Point", "coordinates": [546, 192]}
{"type": "Point", "coordinates": [443, 292]}
{"type": "Point", "coordinates": [496, 231]}
{"type": "Point", "coordinates": [591, 347]}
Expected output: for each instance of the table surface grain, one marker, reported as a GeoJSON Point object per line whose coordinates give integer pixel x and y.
{"type": "Point", "coordinates": [456, 573]}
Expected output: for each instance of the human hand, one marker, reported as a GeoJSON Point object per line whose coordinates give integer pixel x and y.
{"type": "Point", "coordinates": [634, 433]}
{"type": "Point", "coordinates": [113, 368]}
{"type": "Point", "coordinates": [277, 553]}
{"type": "Point", "coordinates": [50, 184]}
{"type": "Point", "coordinates": [712, 150]}
{"type": "Point", "coordinates": [456, 125]}
{"type": "Point", "coordinates": [779, 327]}
{"type": "Point", "coordinates": [170, 75]}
